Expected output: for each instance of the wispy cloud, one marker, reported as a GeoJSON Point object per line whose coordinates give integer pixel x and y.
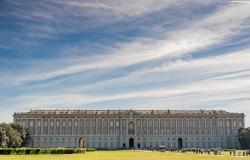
{"type": "Point", "coordinates": [76, 16]}
{"type": "Point", "coordinates": [209, 85]}
{"type": "Point", "coordinates": [246, 2]}
{"type": "Point", "coordinates": [210, 31]}
{"type": "Point", "coordinates": [84, 54]}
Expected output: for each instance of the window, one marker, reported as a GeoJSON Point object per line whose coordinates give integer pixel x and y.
{"type": "Point", "coordinates": [131, 128]}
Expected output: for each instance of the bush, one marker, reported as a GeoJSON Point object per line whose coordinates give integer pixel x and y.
{"type": "Point", "coordinates": [90, 149]}
{"type": "Point", "coordinates": [35, 151]}
{"type": "Point", "coordinates": [81, 150]}
{"type": "Point", "coordinates": [45, 151]}
{"type": "Point", "coordinates": [20, 151]}
{"type": "Point", "coordinates": [5, 150]}
{"type": "Point", "coordinates": [188, 149]}
{"type": "Point", "coordinates": [68, 151]}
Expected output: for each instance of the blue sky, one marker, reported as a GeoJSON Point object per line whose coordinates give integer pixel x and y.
{"type": "Point", "coordinates": [144, 54]}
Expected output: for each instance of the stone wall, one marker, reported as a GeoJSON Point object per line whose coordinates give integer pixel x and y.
{"type": "Point", "coordinates": [132, 128]}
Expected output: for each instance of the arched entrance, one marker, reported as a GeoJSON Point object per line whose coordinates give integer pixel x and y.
{"type": "Point", "coordinates": [131, 142]}
{"type": "Point", "coordinates": [180, 143]}
{"type": "Point", "coordinates": [81, 143]}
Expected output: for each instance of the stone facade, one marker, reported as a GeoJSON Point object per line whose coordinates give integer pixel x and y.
{"type": "Point", "coordinates": [114, 129]}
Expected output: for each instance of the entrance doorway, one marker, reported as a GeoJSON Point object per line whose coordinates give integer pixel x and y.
{"type": "Point", "coordinates": [81, 143]}
{"type": "Point", "coordinates": [131, 142]}
{"type": "Point", "coordinates": [180, 143]}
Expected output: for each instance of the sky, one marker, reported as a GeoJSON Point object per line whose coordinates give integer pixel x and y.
{"type": "Point", "coordinates": [143, 54]}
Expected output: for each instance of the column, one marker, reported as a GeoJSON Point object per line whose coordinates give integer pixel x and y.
{"type": "Point", "coordinates": [182, 121]}
{"type": "Point", "coordinates": [108, 125]}
{"type": "Point", "coordinates": [90, 126]}
{"type": "Point", "coordinates": [176, 125]}
{"type": "Point", "coordinates": [35, 125]}
{"type": "Point", "coordinates": [243, 123]}
{"type": "Point", "coordinates": [141, 126]}
{"type": "Point", "coordinates": [96, 125]}
{"type": "Point", "coordinates": [199, 120]}
{"type": "Point", "coordinates": [211, 126]}
{"type": "Point", "coordinates": [147, 125]}
{"type": "Point", "coordinates": [223, 124]}
{"type": "Point", "coordinates": [135, 125]}
{"type": "Point", "coordinates": [217, 123]}
{"type": "Point", "coordinates": [49, 126]}
{"type": "Point", "coordinates": [153, 125]}
{"type": "Point", "coordinates": [54, 123]}
{"type": "Point", "coordinates": [102, 127]}
{"type": "Point", "coordinates": [42, 125]}
{"type": "Point", "coordinates": [60, 126]}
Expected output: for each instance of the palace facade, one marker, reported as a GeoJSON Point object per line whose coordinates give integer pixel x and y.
{"type": "Point", "coordinates": [115, 129]}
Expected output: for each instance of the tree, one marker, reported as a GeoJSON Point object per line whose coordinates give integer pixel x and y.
{"type": "Point", "coordinates": [24, 134]}
{"type": "Point", "coordinates": [26, 140]}
{"type": "Point", "coordinates": [244, 138]}
{"type": "Point", "coordinates": [19, 128]}
{"type": "Point", "coordinates": [13, 135]}
{"type": "Point", "coordinates": [4, 140]}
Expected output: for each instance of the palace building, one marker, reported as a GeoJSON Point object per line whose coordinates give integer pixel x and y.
{"type": "Point", "coordinates": [116, 129]}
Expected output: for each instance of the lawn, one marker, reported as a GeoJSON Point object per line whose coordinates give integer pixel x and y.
{"type": "Point", "coordinates": [123, 155]}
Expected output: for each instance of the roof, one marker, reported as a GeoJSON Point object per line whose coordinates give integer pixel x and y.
{"type": "Point", "coordinates": [66, 111]}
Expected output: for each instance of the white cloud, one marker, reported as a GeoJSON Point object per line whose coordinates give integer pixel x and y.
{"type": "Point", "coordinates": [122, 8]}
{"type": "Point", "coordinates": [227, 66]}
{"type": "Point", "coordinates": [223, 77]}
{"type": "Point", "coordinates": [228, 89]}
{"type": "Point", "coordinates": [211, 80]}
{"type": "Point", "coordinates": [216, 64]}
{"type": "Point", "coordinates": [225, 87]}
{"type": "Point", "coordinates": [224, 23]}
{"type": "Point", "coordinates": [76, 16]}
{"type": "Point", "coordinates": [246, 2]}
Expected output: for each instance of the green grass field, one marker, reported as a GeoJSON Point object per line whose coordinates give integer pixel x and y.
{"type": "Point", "coordinates": [123, 155]}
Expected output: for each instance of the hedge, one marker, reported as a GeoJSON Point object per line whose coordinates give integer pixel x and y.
{"type": "Point", "coordinates": [18, 151]}
{"type": "Point", "coordinates": [90, 149]}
